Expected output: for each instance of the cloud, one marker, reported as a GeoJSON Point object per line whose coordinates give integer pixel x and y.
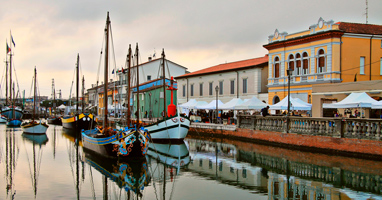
{"type": "Point", "coordinates": [195, 34]}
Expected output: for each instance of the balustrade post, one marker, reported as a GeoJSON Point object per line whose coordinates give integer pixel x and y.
{"type": "Point", "coordinates": [339, 127]}
{"type": "Point", "coordinates": [285, 124]}
{"type": "Point", "coordinates": [253, 122]}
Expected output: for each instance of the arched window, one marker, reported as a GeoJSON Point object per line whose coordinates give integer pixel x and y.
{"type": "Point", "coordinates": [305, 63]}
{"type": "Point", "coordinates": [276, 67]}
{"type": "Point", "coordinates": [298, 64]}
{"type": "Point", "coordinates": [321, 61]}
{"type": "Point", "coordinates": [291, 63]}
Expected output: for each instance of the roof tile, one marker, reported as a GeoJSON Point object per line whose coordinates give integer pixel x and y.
{"type": "Point", "coordinates": [229, 66]}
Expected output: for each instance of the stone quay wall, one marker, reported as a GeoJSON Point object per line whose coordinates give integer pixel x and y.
{"type": "Point", "coordinates": [349, 137]}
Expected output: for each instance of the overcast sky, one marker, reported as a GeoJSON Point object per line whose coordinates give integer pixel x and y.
{"type": "Point", "coordinates": [195, 34]}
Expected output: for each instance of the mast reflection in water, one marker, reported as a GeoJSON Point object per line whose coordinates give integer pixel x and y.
{"type": "Point", "coordinates": [34, 156]}
{"type": "Point", "coordinates": [198, 168]}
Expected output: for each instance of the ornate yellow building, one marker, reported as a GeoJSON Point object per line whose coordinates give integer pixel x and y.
{"type": "Point", "coordinates": [326, 53]}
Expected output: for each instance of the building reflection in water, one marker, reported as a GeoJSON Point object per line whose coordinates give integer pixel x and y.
{"type": "Point", "coordinates": [286, 174]}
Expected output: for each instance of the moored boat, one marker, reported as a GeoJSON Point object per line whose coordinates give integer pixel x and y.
{"type": "Point", "coordinates": [110, 143]}
{"type": "Point", "coordinates": [170, 128]}
{"type": "Point", "coordinates": [34, 127]}
{"type": "Point", "coordinates": [78, 121]}
{"type": "Point", "coordinates": [54, 120]}
{"type": "Point", "coordinates": [173, 126]}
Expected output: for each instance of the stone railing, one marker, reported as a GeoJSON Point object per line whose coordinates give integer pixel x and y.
{"type": "Point", "coordinates": [333, 127]}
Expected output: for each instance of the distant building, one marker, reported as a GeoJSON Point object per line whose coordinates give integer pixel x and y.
{"type": "Point", "coordinates": [327, 53]}
{"type": "Point", "coordinates": [241, 79]}
{"type": "Point", "coordinates": [148, 71]}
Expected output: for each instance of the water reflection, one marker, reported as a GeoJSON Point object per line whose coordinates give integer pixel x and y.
{"type": "Point", "coordinates": [286, 174]}
{"type": "Point", "coordinates": [34, 157]}
{"type": "Point", "coordinates": [215, 168]}
{"type": "Point", "coordinates": [166, 161]}
{"type": "Point", "coordinates": [11, 157]}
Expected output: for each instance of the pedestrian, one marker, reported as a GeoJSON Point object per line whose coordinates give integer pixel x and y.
{"type": "Point", "coordinates": [264, 111]}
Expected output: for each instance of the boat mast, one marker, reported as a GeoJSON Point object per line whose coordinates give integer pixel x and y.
{"type": "Point", "coordinates": [77, 80]}
{"type": "Point", "coordinates": [6, 79]}
{"type": "Point", "coordinates": [54, 99]}
{"type": "Point", "coordinates": [164, 84]}
{"type": "Point", "coordinates": [10, 79]}
{"type": "Point", "coordinates": [34, 93]}
{"type": "Point", "coordinates": [106, 70]}
{"type": "Point", "coordinates": [83, 95]}
{"type": "Point", "coordinates": [128, 86]}
{"type": "Point", "coordinates": [136, 54]}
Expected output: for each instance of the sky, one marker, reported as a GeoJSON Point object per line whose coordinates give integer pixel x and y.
{"type": "Point", "coordinates": [196, 34]}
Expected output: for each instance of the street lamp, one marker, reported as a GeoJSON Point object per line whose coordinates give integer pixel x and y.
{"type": "Point", "coordinates": [289, 73]}
{"type": "Point", "coordinates": [217, 90]}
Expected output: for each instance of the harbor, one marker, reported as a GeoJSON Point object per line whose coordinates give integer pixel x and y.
{"type": "Point", "coordinates": [233, 167]}
{"type": "Point", "coordinates": [191, 101]}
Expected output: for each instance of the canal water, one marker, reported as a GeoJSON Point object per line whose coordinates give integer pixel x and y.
{"type": "Point", "coordinates": [55, 167]}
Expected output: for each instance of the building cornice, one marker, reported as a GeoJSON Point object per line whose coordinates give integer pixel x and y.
{"type": "Point", "coordinates": [304, 39]}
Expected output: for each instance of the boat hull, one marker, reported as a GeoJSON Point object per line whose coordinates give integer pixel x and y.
{"type": "Point", "coordinates": [124, 144]}
{"type": "Point", "coordinates": [173, 128]}
{"type": "Point", "coordinates": [14, 123]}
{"type": "Point", "coordinates": [79, 122]}
{"type": "Point", "coordinates": [35, 128]}
{"type": "Point", "coordinates": [3, 119]}
{"type": "Point", "coordinates": [55, 121]}
{"type": "Point", "coordinates": [8, 113]}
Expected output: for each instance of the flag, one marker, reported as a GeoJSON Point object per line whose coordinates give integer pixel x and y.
{"type": "Point", "coordinates": [112, 71]}
{"type": "Point", "coordinates": [8, 48]}
{"type": "Point", "coordinates": [13, 41]}
{"type": "Point", "coordinates": [123, 71]}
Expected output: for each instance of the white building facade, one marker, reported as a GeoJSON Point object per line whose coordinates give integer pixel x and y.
{"type": "Point", "coordinates": [241, 79]}
{"type": "Point", "coordinates": [148, 71]}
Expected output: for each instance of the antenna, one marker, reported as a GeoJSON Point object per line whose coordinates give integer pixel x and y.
{"type": "Point", "coordinates": [52, 88]}
{"type": "Point", "coordinates": [367, 11]}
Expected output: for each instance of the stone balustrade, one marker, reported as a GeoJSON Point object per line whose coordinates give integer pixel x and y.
{"type": "Point", "coordinates": [334, 127]}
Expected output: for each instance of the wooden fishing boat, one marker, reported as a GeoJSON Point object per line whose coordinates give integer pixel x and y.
{"type": "Point", "coordinates": [110, 143]}
{"type": "Point", "coordinates": [173, 126]}
{"type": "Point", "coordinates": [34, 127]}
{"type": "Point", "coordinates": [13, 113]}
{"type": "Point", "coordinates": [54, 120]}
{"type": "Point", "coordinates": [78, 121]}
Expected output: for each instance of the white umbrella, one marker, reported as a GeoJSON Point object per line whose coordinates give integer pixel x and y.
{"type": "Point", "coordinates": [211, 105]}
{"type": "Point", "coordinates": [252, 104]}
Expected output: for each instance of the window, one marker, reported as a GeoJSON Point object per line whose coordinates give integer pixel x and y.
{"type": "Point", "coordinates": [221, 87]}
{"type": "Point", "coordinates": [298, 64]}
{"type": "Point", "coordinates": [245, 86]}
{"type": "Point", "coordinates": [192, 89]}
{"type": "Point", "coordinates": [305, 63]}
{"type": "Point", "coordinates": [148, 77]}
{"type": "Point", "coordinates": [232, 86]}
{"type": "Point", "coordinates": [321, 61]}
{"type": "Point", "coordinates": [362, 65]}
{"type": "Point", "coordinates": [201, 89]}
{"type": "Point", "coordinates": [276, 70]}
{"type": "Point", "coordinates": [291, 63]}
{"type": "Point", "coordinates": [210, 88]}
{"type": "Point", "coordinates": [184, 91]}
{"type": "Point", "coordinates": [380, 67]}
